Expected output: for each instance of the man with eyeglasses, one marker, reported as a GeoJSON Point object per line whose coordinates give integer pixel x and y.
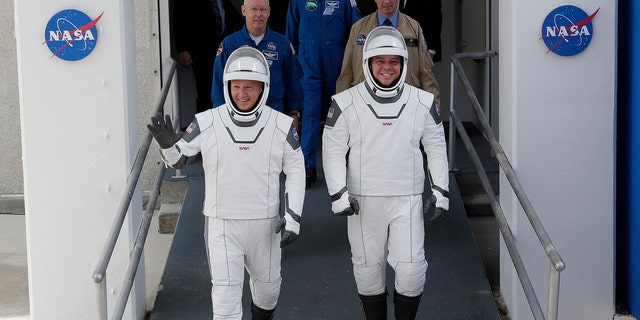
{"type": "Point", "coordinates": [285, 94]}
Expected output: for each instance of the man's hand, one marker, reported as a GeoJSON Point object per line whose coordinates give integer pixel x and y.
{"type": "Point", "coordinates": [342, 204]}
{"type": "Point", "coordinates": [441, 203]}
{"type": "Point", "coordinates": [185, 59]}
{"type": "Point", "coordinates": [291, 229]}
{"type": "Point", "coordinates": [162, 131]}
{"type": "Point", "coordinates": [297, 119]}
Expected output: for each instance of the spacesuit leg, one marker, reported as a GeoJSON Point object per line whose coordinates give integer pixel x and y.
{"type": "Point", "coordinates": [312, 85]}
{"type": "Point", "coordinates": [226, 264]}
{"type": "Point", "coordinates": [263, 264]}
{"type": "Point", "coordinates": [406, 246]}
{"type": "Point", "coordinates": [367, 233]}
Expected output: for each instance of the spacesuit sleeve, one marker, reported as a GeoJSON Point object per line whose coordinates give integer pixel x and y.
{"type": "Point", "coordinates": [293, 168]}
{"type": "Point", "coordinates": [335, 145]}
{"type": "Point", "coordinates": [217, 95]}
{"type": "Point", "coordinates": [354, 14]}
{"type": "Point", "coordinates": [292, 76]}
{"type": "Point", "coordinates": [435, 147]}
{"type": "Point", "coordinates": [293, 22]}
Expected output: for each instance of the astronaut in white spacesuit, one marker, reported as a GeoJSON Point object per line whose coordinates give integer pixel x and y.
{"type": "Point", "coordinates": [374, 173]}
{"type": "Point", "coordinates": [245, 146]}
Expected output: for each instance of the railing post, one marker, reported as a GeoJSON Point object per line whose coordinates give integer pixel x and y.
{"type": "Point", "coordinates": [100, 271]}
{"type": "Point", "coordinates": [554, 293]}
{"type": "Point", "coordinates": [452, 127]}
{"type": "Point", "coordinates": [101, 299]}
{"type": "Point", "coordinates": [557, 264]}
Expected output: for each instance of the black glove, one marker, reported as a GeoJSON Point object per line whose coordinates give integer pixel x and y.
{"type": "Point", "coordinates": [288, 235]}
{"type": "Point", "coordinates": [438, 212]}
{"type": "Point", "coordinates": [162, 131]}
{"type": "Point", "coordinates": [343, 204]}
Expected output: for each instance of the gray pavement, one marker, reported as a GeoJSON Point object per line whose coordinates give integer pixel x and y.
{"type": "Point", "coordinates": [14, 286]}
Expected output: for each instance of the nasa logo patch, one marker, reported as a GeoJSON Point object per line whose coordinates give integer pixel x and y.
{"type": "Point", "coordinates": [567, 30]}
{"type": "Point", "coordinates": [71, 35]}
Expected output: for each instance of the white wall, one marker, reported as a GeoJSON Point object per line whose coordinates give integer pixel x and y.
{"type": "Point", "coordinates": [11, 175]}
{"type": "Point", "coordinates": [557, 124]}
{"type": "Point", "coordinates": [80, 132]}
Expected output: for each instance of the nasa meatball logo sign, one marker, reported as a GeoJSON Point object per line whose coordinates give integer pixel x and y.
{"type": "Point", "coordinates": [71, 35]}
{"type": "Point", "coordinates": [567, 30]}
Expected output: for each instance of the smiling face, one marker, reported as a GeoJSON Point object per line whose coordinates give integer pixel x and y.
{"type": "Point", "coordinates": [387, 7]}
{"type": "Point", "coordinates": [256, 13]}
{"type": "Point", "coordinates": [245, 93]}
{"type": "Point", "coordinates": [386, 69]}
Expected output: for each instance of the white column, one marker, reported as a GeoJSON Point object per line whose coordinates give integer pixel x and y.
{"type": "Point", "coordinates": [80, 133]}
{"type": "Point", "coordinates": [557, 125]}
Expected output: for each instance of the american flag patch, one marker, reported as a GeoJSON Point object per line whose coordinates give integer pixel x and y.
{"type": "Point", "coordinates": [190, 128]}
{"type": "Point", "coordinates": [330, 113]}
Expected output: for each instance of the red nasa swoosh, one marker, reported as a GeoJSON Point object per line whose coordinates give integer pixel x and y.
{"type": "Point", "coordinates": [83, 29]}
{"type": "Point", "coordinates": [578, 24]}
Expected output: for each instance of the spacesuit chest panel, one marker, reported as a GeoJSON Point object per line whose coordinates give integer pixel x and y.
{"type": "Point", "coordinates": [245, 135]}
{"type": "Point", "coordinates": [383, 110]}
{"type": "Point", "coordinates": [388, 133]}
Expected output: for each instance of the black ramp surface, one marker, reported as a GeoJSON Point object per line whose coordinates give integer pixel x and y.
{"type": "Point", "coordinates": [316, 270]}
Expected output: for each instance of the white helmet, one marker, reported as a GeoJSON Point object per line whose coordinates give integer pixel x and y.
{"type": "Point", "coordinates": [246, 63]}
{"type": "Point", "coordinates": [384, 41]}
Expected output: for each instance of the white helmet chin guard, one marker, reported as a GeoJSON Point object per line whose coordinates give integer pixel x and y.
{"type": "Point", "coordinates": [384, 41]}
{"type": "Point", "coordinates": [246, 63]}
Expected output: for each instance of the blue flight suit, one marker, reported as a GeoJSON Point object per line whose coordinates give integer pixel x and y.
{"type": "Point", "coordinates": [285, 91]}
{"type": "Point", "coordinates": [318, 30]}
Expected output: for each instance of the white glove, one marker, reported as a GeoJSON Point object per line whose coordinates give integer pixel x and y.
{"type": "Point", "coordinates": [342, 204]}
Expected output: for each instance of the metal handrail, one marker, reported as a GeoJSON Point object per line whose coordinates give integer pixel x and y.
{"type": "Point", "coordinates": [556, 262]}
{"type": "Point", "coordinates": [99, 273]}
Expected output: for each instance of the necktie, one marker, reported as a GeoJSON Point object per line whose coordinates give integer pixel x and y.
{"type": "Point", "coordinates": [386, 22]}
{"type": "Point", "coordinates": [216, 15]}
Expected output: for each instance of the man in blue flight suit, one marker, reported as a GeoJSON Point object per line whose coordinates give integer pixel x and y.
{"type": "Point", "coordinates": [318, 30]}
{"type": "Point", "coordinates": [285, 94]}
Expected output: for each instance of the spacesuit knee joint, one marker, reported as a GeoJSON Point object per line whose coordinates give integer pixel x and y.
{"type": "Point", "coordinates": [369, 279]}
{"type": "Point", "coordinates": [227, 301]}
{"type": "Point", "coordinates": [265, 294]}
{"type": "Point", "coordinates": [410, 277]}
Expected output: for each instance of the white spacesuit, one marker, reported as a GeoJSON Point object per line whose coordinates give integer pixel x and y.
{"type": "Point", "coordinates": [374, 168]}
{"type": "Point", "coordinates": [243, 155]}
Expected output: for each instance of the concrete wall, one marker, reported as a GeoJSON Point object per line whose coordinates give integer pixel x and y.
{"type": "Point", "coordinates": [11, 154]}
{"type": "Point", "coordinates": [557, 125]}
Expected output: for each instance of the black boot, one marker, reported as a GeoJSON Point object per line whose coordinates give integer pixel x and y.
{"type": "Point", "coordinates": [258, 313]}
{"type": "Point", "coordinates": [405, 308]}
{"type": "Point", "coordinates": [374, 307]}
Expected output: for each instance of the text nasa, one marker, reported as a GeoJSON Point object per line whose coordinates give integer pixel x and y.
{"type": "Point", "coordinates": [573, 31]}
{"type": "Point", "coordinates": [67, 36]}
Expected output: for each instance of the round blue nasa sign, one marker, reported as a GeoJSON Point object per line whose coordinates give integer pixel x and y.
{"type": "Point", "coordinates": [567, 30]}
{"type": "Point", "coordinates": [71, 35]}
